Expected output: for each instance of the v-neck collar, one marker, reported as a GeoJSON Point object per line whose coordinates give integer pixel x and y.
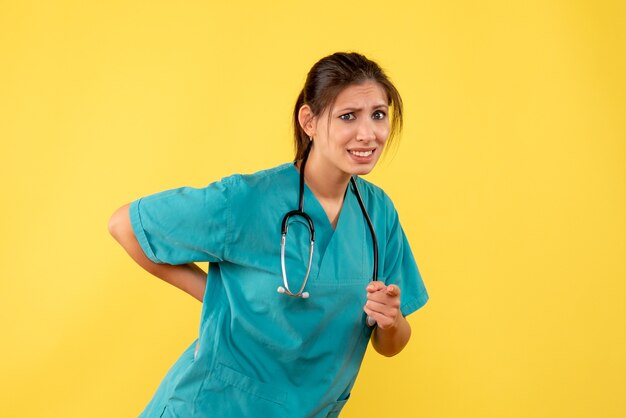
{"type": "Point", "coordinates": [312, 199]}
{"type": "Point", "coordinates": [347, 239]}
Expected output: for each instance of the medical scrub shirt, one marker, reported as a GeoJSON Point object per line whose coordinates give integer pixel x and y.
{"type": "Point", "coordinates": [261, 353]}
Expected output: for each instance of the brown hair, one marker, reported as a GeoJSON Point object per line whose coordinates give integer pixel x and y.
{"type": "Point", "coordinates": [328, 77]}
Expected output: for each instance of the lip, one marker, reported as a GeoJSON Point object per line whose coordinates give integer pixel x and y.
{"type": "Point", "coordinates": [362, 149]}
{"type": "Point", "coordinates": [360, 159]}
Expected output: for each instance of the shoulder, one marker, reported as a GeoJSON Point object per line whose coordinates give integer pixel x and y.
{"type": "Point", "coordinates": [245, 185]}
{"type": "Point", "coordinates": [373, 195]}
{"type": "Point", "coordinates": [270, 175]}
{"type": "Point", "coordinates": [379, 206]}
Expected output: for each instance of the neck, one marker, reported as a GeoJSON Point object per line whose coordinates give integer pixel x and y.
{"type": "Point", "coordinates": [326, 183]}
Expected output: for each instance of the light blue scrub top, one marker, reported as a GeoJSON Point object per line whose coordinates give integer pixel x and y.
{"type": "Point", "coordinates": [261, 353]}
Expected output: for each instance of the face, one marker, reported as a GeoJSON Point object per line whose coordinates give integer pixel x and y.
{"type": "Point", "coordinates": [352, 140]}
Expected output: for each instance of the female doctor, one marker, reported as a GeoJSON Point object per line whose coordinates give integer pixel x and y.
{"type": "Point", "coordinates": [294, 352]}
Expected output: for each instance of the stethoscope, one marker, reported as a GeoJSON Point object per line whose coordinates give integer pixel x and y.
{"type": "Point", "coordinates": [301, 213]}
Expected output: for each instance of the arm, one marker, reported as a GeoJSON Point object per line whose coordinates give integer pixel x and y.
{"type": "Point", "coordinates": [393, 331]}
{"type": "Point", "coordinates": [188, 277]}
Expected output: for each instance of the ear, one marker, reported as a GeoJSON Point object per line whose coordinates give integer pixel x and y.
{"type": "Point", "coordinates": [307, 120]}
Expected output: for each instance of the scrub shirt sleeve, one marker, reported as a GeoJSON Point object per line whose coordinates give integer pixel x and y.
{"type": "Point", "coordinates": [182, 225]}
{"type": "Point", "coordinates": [401, 269]}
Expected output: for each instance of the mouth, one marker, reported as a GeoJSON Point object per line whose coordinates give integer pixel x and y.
{"type": "Point", "coordinates": [362, 153]}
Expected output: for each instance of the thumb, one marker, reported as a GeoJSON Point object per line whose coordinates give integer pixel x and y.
{"type": "Point", "coordinates": [392, 290]}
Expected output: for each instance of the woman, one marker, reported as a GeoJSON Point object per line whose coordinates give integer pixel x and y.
{"type": "Point", "coordinates": [261, 353]}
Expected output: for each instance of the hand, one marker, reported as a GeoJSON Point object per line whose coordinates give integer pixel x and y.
{"type": "Point", "coordinates": [383, 304]}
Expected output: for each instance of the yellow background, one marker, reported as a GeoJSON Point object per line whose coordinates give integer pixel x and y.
{"type": "Point", "coordinates": [510, 180]}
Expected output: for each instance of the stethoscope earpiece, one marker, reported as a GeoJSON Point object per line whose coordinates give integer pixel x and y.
{"type": "Point", "coordinates": [303, 295]}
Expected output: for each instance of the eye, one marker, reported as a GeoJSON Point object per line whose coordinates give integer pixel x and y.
{"type": "Point", "coordinates": [347, 116]}
{"type": "Point", "coordinates": [379, 115]}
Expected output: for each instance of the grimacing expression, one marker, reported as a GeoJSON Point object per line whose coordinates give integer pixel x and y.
{"type": "Point", "coordinates": [353, 138]}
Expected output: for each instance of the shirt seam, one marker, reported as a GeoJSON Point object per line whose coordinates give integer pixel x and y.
{"type": "Point", "coordinates": [229, 221]}
{"type": "Point", "coordinates": [140, 232]}
{"type": "Point", "coordinates": [414, 304]}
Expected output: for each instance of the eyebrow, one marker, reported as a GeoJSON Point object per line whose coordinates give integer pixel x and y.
{"type": "Point", "coordinates": [356, 108]}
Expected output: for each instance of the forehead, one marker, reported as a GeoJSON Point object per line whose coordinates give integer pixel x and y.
{"type": "Point", "coordinates": [369, 93]}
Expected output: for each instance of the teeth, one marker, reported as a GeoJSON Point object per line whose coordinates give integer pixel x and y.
{"type": "Point", "coordinates": [362, 153]}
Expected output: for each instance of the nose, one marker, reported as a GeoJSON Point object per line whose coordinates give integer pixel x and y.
{"type": "Point", "coordinates": [366, 131]}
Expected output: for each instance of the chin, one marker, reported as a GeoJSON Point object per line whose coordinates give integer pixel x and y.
{"type": "Point", "coordinates": [360, 171]}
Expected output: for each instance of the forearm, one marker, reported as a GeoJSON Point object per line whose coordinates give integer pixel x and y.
{"type": "Point", "coordinates": [390, 341]}
{"type": "Point", "coordinates": [188, 277]}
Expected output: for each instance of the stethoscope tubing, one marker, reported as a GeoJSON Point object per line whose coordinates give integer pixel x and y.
{"type": "Point", "coordinates": [285, 226]}
{"type": "Point", "coordinates": [300, 212]}
{"type": "Point", "coordinates": [371, 228]}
